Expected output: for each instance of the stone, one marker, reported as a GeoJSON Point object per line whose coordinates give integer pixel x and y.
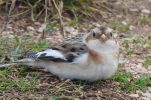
{"type": "Point", "coordinates": [147, 95]}
{"type": "Point", "coordinates": [37, 23]}
{"type": "Point", "coordinates": [134, 10]}
{"type": "Point", "coordinates": [99, 92]}
{"type": "Point", "coordinates": [145, 11]}
{"type": "Point", "coordinates": [144, 98]}
{"type": "Point", "coordinates": [30, 28]}
{"type": "Point", "coordinates": [134, 95]}
{"type": "Point", "coordinates": [149, 88]}
{"type": "Point", "coordinates": [71, 30]}
{"type": "Point", "coordinates": [43, 27]}
{"type": "Point", "coordinates": [9, 26]}
{"type": "Point", "coordinates": [124, 23]}
{"type": "Point", "coordinates": [131, 27]}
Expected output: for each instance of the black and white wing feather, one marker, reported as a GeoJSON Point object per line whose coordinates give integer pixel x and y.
{"type": "Point", "coordinates": [64, 53]}
{"type": "Point", "coordinates": [49, 54]}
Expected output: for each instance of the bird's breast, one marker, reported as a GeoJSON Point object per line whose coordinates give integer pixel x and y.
{"type": "Point", "coordinates": [94, 57]}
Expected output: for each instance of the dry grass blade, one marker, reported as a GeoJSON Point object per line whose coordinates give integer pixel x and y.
{"type": "Point", "coordinates": [59, 10]}
{"type": "Point", "coordinates": [12, 6]}
{"type": "Point", "coordinates": [46, 10]}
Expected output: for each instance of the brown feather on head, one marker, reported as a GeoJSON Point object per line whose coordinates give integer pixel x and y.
{"type": "Point", "coordinates": [101, 33]}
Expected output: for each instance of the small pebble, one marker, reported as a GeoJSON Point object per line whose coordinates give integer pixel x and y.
{"type": "Point", "coordinates": [145, 11]}
{"type": "Point", "coordinates": [144, 98]}
{"type": "Point", "coordinates": [30, 28]}
{"type": "Point", "coordinates": [43, 27]}
{"type": "Point", "coordinates": [147, 95]}
{"type": "Point", "coordinates": [134, 95]}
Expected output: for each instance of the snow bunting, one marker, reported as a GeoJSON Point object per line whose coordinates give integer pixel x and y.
{"type": "Point", "coordinates": [94, 59]}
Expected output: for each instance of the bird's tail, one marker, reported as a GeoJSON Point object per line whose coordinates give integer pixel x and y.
{"type": "Point", "coordinates": [7, 65]}
{"type": "Point", "coordinates": [19, 62]}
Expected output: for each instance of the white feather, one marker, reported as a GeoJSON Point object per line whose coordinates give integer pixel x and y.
{"type": "Point", "coordinates": [82, 59]}
{"type": "Point", "coordinates": [53, 53]}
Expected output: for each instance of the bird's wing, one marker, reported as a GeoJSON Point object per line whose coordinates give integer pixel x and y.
{"type": "Point", "coordinates": [66, 52]}
{"type": "Point", "coordinates": [75, 39]}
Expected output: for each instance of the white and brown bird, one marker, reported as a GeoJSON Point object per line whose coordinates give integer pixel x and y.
{"type": "Point", "coordinates": [94, 59]}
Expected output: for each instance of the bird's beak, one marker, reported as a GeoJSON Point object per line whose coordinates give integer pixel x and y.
{"type": "Point", "coordinates": [103, 38]}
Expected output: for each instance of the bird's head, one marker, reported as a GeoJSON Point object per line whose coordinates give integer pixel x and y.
{"type": "Point", "coordinates": [100, 37]}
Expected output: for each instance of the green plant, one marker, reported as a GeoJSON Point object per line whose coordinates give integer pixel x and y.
{"type": "Point", "coordinates": [130, 52]}
{"type": "Point", "coordinates": [139, 41]}
{"type": "Point", "coordinates": [148, 43]}
{"type": "Point", "coordinates": [120, 26]}
{"type": "Point", "coordinates": [129, 83]}
{"type": "Point", "coordinates": [144, 20]}
{"type": "Point", "coordinates": [7, 83]}
{"type": "Point", "coordinates": [143, 81]}
{"type": "Point", "coordinates": [122, 77]}
{"type": "Point", "coordinates": [51, 26]}
{"type": "Point", "coordinates": [73, 22]}
{"type": "Point", "coordinates": [147, 62]}
{"type": "Point", "coordinates": [25, 84]}
{"type": "Point", "coordinates": [53, 97]}
{"type": "Point", "coordinates": [142, 41]}
{"type": "Point", "coordinates": [40, 45]}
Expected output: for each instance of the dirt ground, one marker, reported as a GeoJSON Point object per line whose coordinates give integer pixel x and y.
{"type": "Point", "coordinates": [132, 24]}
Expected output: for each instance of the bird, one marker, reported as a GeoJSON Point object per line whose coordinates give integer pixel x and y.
{"type": "Point", "coordinates": [95, 58]}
